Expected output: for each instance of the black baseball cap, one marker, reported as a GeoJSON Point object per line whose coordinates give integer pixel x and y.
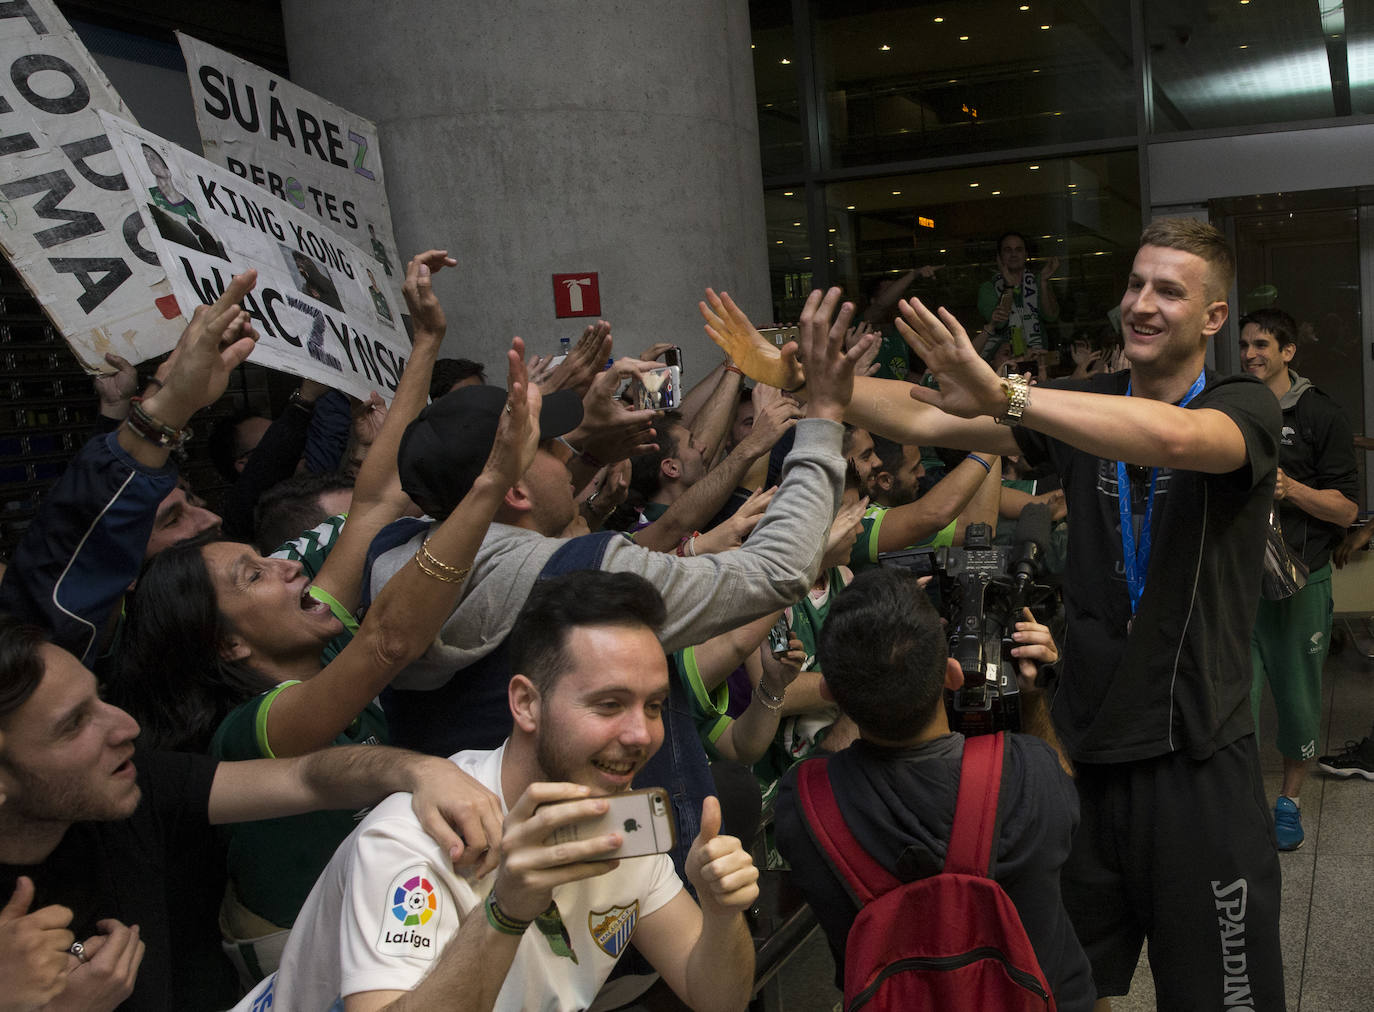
{"type": "Point", "coordinates": [445, 448]}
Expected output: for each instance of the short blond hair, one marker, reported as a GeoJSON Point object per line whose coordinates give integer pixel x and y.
{"type": "Point", "coordinates": [1200, 239]}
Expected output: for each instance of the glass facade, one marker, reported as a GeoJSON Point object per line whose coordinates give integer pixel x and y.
{"type": "Point", "coordinates": [979, 75]}
{"type": "Point", "coordinates": [908, 135]}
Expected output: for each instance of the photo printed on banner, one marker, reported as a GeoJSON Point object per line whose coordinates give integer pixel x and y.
{"type": "Point", "coordinates": [316, 307]}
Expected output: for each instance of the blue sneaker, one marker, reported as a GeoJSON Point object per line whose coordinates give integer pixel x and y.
{"type": "Point", "coordinates": [1287, 824]}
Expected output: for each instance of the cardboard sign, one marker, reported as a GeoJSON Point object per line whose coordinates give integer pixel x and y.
{"type": "Point", "coordinates": [318, 308]}
{"type": "Point", "coordinates": [576, 295]}
{"type": "Point", "coordinates": [68, 223]}
{"type": "Point", "coordinates": [318, 157]}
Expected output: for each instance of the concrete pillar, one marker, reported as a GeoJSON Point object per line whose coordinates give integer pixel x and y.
{"type": "Point", "coordinates": [542, 137]}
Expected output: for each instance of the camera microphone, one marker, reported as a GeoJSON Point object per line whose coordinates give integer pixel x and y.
{"type": "Point", "coordinates": [1032, 535]}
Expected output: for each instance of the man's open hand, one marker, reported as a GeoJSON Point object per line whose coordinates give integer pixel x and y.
{"type": "Point", "coordinates": [829, 367]}
{"type": "Point", "coordinates": [968, 385]}
{"type": "Point", "coordinates": [760, 360]}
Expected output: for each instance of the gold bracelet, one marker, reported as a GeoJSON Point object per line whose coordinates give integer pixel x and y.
{"type": "Point", "coordinates": [431, 566]}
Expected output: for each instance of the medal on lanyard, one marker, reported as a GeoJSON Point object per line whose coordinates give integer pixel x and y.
{"type": "Point", "coordinates": [1135, 556]}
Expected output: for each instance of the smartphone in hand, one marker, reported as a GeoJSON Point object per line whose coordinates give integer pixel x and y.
{"type": "Point", "coordinates": [643, 818]}
{"type": "Point", "coordinates": [658, 389]}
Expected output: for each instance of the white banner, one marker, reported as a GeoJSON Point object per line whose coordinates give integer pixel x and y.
{"type": "Point", "coordinates": [320, 158]}
{"type": "Point", "coordinates": [68, 223]}
{"type": "Point", "coordinates": [317, 307]}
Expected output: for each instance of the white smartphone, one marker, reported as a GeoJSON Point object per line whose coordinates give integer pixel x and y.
{"type": "Point", "coordinates": [644, 820]}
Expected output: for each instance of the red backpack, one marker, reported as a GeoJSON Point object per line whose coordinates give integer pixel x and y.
{"type": "Point", "coordinates": [948, 942]}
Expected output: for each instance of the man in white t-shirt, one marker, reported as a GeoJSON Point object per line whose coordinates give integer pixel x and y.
{"type": "Point", "coordinates": [392, 926]}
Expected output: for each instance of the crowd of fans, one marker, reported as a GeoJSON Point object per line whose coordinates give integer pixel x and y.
{"type": "Point", "coordinates": [572, 596]}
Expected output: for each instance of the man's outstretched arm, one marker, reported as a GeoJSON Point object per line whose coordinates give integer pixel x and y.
{"type": "Point", "coordinates": [1136, 430]}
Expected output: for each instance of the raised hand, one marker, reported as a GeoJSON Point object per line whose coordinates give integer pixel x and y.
{"type": "Point", "coordinates": [426, 313]}
{"type": "Point", "coordinates": [732, 532]}
{"type": "Point", "coordinates": [1049, 267]}
{"type": "Point", "coordinates": [583, 362]}
{"type": "Point", "coordinates": [656, 350]}
{"type": "Point", "coordinates": [116, 388]}
{"type": "Point", "coordinates": [760, 360]}
{"type": "Point", "coordinates": [610, 430]}
{"type": "Point", "coordinates": [722, 871]}
{"type": "Point", "coordinates": [846, 526]}
{"type": "Point", "coordinates": [968, 385]}
{"type": "Point", "coordinates": [517, 436]}
{"type": "Point", "coordinates": [215, 342]}
{"type": "Point", "coordinates": [829, 368]}
{"type": "Point", "coordinates": [774, 414]}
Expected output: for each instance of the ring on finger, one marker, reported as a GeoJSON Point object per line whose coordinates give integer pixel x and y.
{"type": "Point", "coordinates": [78, 950]}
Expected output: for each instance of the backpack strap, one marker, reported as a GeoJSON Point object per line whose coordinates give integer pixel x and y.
{"type": "Point", "coordinates": [584, 552]}
{"type": "Point", "coordinates": [865, 877]}
{"type": "Point", "coordinates": [975, 814]}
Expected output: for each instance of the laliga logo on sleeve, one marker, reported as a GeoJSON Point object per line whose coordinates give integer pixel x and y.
{"type": "Point", "coordinates": [411, 922]}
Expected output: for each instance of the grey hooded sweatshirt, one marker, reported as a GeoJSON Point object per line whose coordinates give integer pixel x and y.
{"type": "Point", "coordinates": [705, 596]}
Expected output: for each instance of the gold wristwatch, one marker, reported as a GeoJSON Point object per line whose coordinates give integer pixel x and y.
{"type": "Point", "coordinates": [1017, 389]}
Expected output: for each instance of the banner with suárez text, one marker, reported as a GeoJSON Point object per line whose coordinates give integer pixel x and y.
{"type": "Point", "coordinates": [68, 223]}
{"type": "Point", "coordinates": [321, 158]}
{"type": "Point", "coordinates": [318, 312]}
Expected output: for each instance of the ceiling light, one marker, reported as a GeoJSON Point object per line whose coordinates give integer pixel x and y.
{"type": "Point", "coordinates": [832, 230]}
{"type": "Point", "coordinates": [996, 193]}
{"type": "Point", "coordinates": [1034, 167]}
{"type": "Point", "coordinates": [884, 48]}
{"type": "Point", "coordinates": [896, 193]}
{"type": "Point", "coordinates": [787, 193]}
{"type": "Point", "coordinates": [963, 38]}
{"type": "Point", "coordinates": [778, 241]}
{"type": "Point", "coordinates": [1044, 28]}
{"type": "Point", "coordinates": [939, 21]}
{"type": "Point", "coordinates": [796, 224]}
{"type": "Point", "coordinates": [973, 184]}
{"type": "Point", "coordinates": [849, 207]}
{"type": "Point", "coordinates": [785, 62]}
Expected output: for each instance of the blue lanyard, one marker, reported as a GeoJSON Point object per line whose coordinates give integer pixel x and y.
{"type": "Point", "coordinates": [1136, 557]}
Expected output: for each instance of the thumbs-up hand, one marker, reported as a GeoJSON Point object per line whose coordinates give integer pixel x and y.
{"type": "Point", "coordinates": [34, 948]}
{"type": "Point", "coordinates": [720, 868]}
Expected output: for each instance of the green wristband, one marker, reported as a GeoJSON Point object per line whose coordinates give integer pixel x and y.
{"type": "Point", "coordinates": [502, 921]}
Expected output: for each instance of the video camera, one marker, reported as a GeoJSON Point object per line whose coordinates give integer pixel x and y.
{"type": "Point", "coordinates": [980, 590]}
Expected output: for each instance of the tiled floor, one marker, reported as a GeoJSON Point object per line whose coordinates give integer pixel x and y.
{"type": "Point", "coordinates": [1327, 922]}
